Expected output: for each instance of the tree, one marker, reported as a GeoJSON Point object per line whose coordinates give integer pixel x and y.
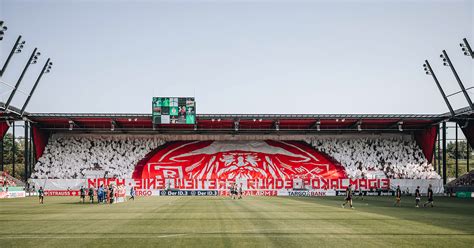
{"type": "Point", "coordinates": [7, 149]}
{"type": "Point", "coordinates": [462, 148]}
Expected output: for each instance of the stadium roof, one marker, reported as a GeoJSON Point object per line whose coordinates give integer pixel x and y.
{"type": "Point", "coordinates": [236, 122]}
{"type": "Point", "coordinates": [232, 123]}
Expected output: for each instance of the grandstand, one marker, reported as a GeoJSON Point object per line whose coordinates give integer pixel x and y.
{"type": "Point", "coordinates": [8, 181]}
{"type": "Point", "coordinates": [182, 178]}
{"type": "Point", "coordinates": [73, 148]}
{"type": "Point", "coordinates": [91, 146]}
{"type": "Point", "coordinates": [395, 158]}
{"type": "Point", "coordinates": [69, 156]}
{"type": "Point", "coordinates": [72, 157]}
{"type": "Point", "coordinates": [464, 183]}
{"type": "Point", "coordinates": [11, 187]}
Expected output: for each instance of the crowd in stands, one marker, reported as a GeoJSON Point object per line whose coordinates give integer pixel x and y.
{"type": "Point", "coordinates": [75, 157]}
{"type": "Point", "coordinates": [464, 180]}
{"type": "Point", "coordinates": [395, 158]}
{"type": "Point", "coordinates": [7, 180]}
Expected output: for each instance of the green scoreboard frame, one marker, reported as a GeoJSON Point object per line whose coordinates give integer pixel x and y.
{"type": "Point", "coordinates": [173, 110]}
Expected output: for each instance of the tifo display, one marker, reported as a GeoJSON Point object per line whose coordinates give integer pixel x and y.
{"type": "Point", "coordinates": [239, 160]}
{"type": "Point", "coordinates": [270, 167]}
{"type": "Point", "coordinates": [69, 156]}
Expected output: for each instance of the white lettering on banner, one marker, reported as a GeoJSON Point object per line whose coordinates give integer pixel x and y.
{"type": "Point", "coordinates": [152, 186]}
{"type": "Point", "coordinates": [12, 194]}
{"type": "Point", "coordinates": [147, 192]}
{"type": "Point", "coordinates": [218, 184]}
{"type": "Point", "coordinates": [306, 193]}
{"type": "Point", "coordinates": [61, 192]}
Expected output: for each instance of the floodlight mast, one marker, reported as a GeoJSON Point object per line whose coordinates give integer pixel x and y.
{"type": "Point", "coordinates": [466, 48]}
{"type": "Point", "coordinates": [32, 60]}
{"type": "Point", "coordinates": [46, 69]}
{"type": "Point", "coordinates": [16, 49]}
{"type": "Point", "coordinates": [2, 29]}
{"type": "Point", "coordinates": [429, 71]}
{"type": "Point", "coordinates": [447, 62]}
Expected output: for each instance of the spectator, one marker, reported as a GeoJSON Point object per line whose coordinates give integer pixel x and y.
{"type": "Point", "coordinates": [364, 157]}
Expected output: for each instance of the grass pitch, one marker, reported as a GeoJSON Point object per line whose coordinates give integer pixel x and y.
{"type": "Point", "coordinates": [222, 222]}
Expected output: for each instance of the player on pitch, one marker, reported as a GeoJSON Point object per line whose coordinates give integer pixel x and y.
{"type": "Point", "coordinates": [240, 191]}
{"type": "Point", "coordinates": [398, 195]}
{"type": "Point", "coordinates": [417, 196]}
{"type": "Point", "coordinates": [233, 191]}
{"type": "Point", "coordinates": [430, 197]}
{"type": "Point", "coordinates": [361, 194]}
{"type": "Point", "coordinates": [41, 195]}
{"type": "Point", "coordinates": [132, 193]}
{"type": "Point", "coordinates": [91, 194]}
{"type": "Point", "coordinates": [348, 197]}
{"type": "Point", "coordinates": [83, 194]}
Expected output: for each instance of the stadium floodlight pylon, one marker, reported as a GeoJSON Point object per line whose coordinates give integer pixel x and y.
{"type": "Point", "coordinates": [447, 62]}
{"type": "Point", "coordinates": [429, 71]}
{"type": "Point", "coordinates": [32, 60]}
{"type": "Point", "coordinates": [466, 48]}
{"type": "Point", "coordinates": [46, 69]}
{"type": "Point", "coordinates": [17, 48]}
{"type": "Point", "coordinates": [3, 28]}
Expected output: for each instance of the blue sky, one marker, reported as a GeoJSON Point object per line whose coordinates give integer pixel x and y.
{"type": "Point", "coordinates": [240, 56]}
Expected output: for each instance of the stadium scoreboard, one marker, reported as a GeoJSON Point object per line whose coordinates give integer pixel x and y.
{"type": "Point", "coordinates": [174, 110]}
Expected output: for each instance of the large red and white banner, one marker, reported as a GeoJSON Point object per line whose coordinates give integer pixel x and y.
{"type": "Point", "coordinates": [234, 160]}
{"type": "Point", "coordinates": [211, 167]}
{"type": "Point", "coordinates": [287, 168]}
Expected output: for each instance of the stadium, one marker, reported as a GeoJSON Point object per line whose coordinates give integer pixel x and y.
{"type": "Point", "coordinates": [176, 177]}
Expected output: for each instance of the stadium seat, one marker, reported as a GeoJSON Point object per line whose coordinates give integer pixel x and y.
{"type": "Point", "coordinates": [397, 158]}
{"type": "Point", "coordinates": [74, 157]}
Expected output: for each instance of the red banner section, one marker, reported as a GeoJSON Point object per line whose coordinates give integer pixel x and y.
{"type": "Point", "coordinates": [40, 138]}
{"type": "Point", "coordinates": [426, 139]}
{"type": "Point", "coordinates": [229, 160]}
{"type": "Point", "coordinates": [61, 192]}
{"type": "Point", "coordinates": [3, 128]}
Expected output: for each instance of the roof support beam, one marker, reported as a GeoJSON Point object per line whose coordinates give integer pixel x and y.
{"type": "Point", "coordinates": [236, 125]}
{"type": "Point", "coordinates": [355, 124]}
{"type": "Point", "coordinates": [113, 125]}
{"type": "Point", "coordinates": [276, 125]}
{"type": "Point", "coordinates": [316, 125]}
{"type": "Point", "coordinates": [72, 125]}
{"type": "Point", "coordinates": [395, 124]}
